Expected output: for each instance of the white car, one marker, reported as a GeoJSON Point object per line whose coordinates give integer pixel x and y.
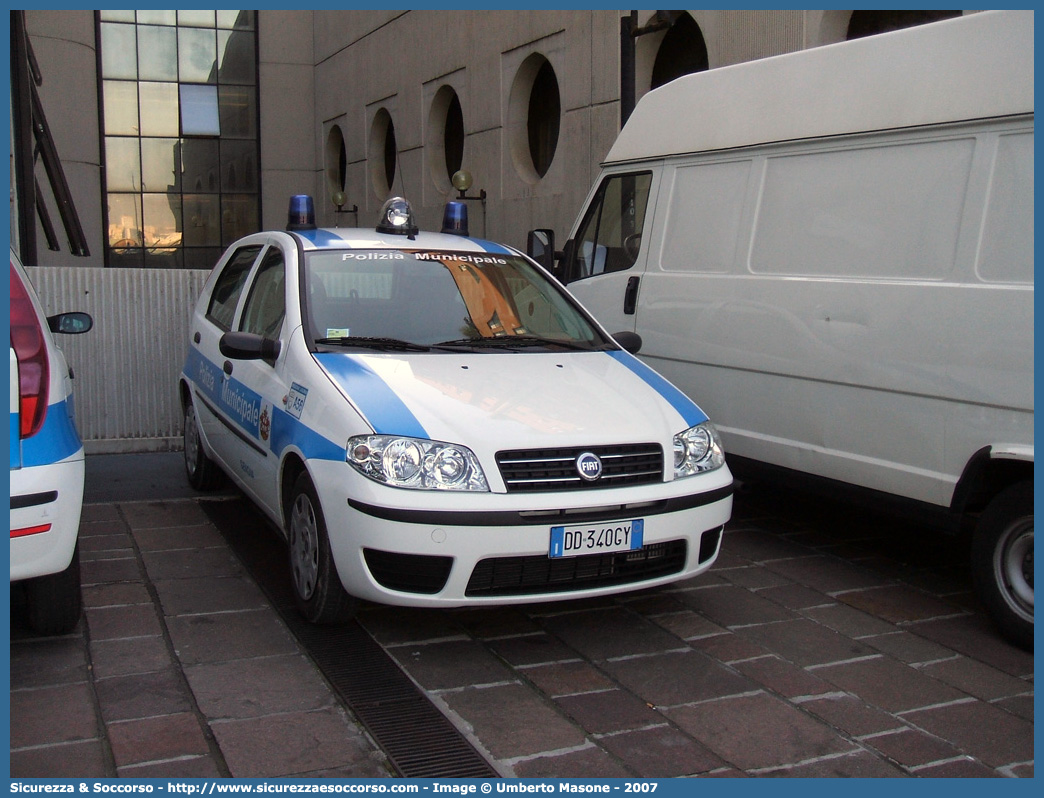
{"type": "Point", "coordinates": [46, 461]}
{"type": "Point", "coordinates": [433, 421]}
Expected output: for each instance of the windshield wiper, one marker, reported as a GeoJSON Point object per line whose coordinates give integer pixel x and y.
{"type": "Point", "coordinates": [514, 342]}
{"type": "Point", "coordinates": [374, 343]}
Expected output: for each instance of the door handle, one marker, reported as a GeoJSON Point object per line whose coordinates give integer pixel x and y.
{"type": "Point", "coordinates": [227, 368]}
{"type": "Point", "coordinates": [631, 295]}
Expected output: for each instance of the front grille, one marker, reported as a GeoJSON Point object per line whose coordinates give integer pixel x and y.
{"type": "Point", "coordinates": [539, 574]}
{"type": "Point", "coordinates": [555, 469]}
{"type": "Point", "coordinates": [410, 573]}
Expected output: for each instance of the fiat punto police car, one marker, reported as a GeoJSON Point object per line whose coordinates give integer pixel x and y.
{"type": "Point", "coordinates": [47, 464]}
{"type": "Point", "coordinates": [432, 420]}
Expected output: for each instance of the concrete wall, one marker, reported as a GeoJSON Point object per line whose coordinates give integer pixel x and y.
{"type": "Point", "coordinates": [366, 61]}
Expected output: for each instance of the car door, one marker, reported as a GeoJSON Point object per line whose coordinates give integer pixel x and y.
{"type": "Point", "coordinates": [253, 386]}
{"type": "Point", "coordinates": [604, 261]}
{"type": "Point", "coordinates": [205, 359]}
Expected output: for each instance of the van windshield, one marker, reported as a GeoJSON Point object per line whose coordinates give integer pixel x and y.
{"type": "Point", "coordinates": [421, 299]}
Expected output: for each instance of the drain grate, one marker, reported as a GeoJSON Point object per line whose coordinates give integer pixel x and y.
{"type": "Point", "coordinates": [418, 739]}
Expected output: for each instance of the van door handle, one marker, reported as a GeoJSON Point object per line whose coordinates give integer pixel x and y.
{"type": "Point", "coordinates": [631, 296]}
{"type": "Point", "coordinates": [228, 368]}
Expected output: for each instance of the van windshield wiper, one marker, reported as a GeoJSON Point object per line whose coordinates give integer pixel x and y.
{"type": "Point", "coordinates": [514, 342]}
{"type": "Point", "coordinates": [374, 343]}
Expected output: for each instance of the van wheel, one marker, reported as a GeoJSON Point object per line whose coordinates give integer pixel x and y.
{"type": "Point", "coordinates": [53, 602]}
{"type": "Point", "coordinates": [202, 472]}
{"type": "Point", "coordinates": [1002, 562]}
{"type": "Point", "coordinates": [318, 592]}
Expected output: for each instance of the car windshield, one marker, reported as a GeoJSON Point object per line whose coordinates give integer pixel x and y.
{"type": "Point", "coordinates": [414, 300]}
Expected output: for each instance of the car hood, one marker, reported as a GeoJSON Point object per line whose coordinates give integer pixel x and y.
{"type": "Point", "coordinates": [495, 401]}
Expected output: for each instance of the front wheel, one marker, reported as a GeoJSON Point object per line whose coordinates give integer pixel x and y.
{"type": "Point", "coordinates": [1002, 562]}
{"type": "Point", "coordinates": [318, 592]}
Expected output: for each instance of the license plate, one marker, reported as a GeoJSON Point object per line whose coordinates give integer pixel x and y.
{"type": "Point", "coordinates": [600, 538]}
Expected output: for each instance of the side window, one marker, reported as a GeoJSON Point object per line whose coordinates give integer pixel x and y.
{"type": "Point", "coordinates": [611, 234]}
{"type": "Point", "coordinates": [266, 302]}
{"type": "Point", "coordinates": [229, 286]}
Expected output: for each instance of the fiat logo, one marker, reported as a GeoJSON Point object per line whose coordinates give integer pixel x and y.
{"type": "Point", "coordinates": [589, 466]}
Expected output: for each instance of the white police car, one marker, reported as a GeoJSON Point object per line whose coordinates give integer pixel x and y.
{"type": "Point", "coordinates": [433, 421]}
{"type": "Point", "coordinates": [46, 461]}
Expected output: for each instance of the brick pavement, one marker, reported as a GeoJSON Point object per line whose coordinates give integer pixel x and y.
{"type": "Point", "coordinates": [180, 669]}
{"type": "Point", "coordinates": [823, 643]}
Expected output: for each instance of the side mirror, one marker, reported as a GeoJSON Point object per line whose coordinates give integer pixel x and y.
{"type": "Point", "coordinates": [630, 341]}
{"type": "Point", "coordinates": [249, 346]}
{"type": "Point", "coordinates": [70, 323]}
{"type": "Point", "coordinates": [540, 246]}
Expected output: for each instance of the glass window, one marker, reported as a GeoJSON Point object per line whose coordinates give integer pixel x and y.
{"type": "Point", "coordinates": [229, 285]}
{"type": "Point", "coordinates": [199, 110]}
{"type": "Point", "coordinates": [239, 213]}
{"type": "Point", "coordinates": [124, 220]}
{"type": "Point", "coordinates": [470, 301]}
{"type": "Point", "coordinates": [238, 166]}
{"type": "Point", "coordinates": [121, 108]}
{"type": "Point", "coordinates": [266, 303]}
{"type": "Point", "coordinates": [199, 160]}
{"type": "Point", "coordinates": [178, 87]}
{"type": "Point", "coordinates": [159, 109]}
{"type": "Point", "coordinates": [237, 62]}
{"type": "Point", "coordinates": [122, 166]}
{"type": "Point", "coordinates": [197, 55]}
{"type": "Point", "coordinates": [158, 53]}
{"type": "Point", "coordinates": [238, 110]}
{"type": "Point", "coordinates": [202, 220]}
{"type": "Point", "coordinates": [119, 52]}
{"type": "Point", "coordinates": [610, 236]}
{"type": "Point", "coordinates": [162, 221]}
{"type": "Point", "coordinates": [197, 18]}
{"type": "Point", "coordinates": [118, 15]}
{"type": "Point", "coordinates": [157, 165]}
{"type": "Point", "coordinates": [157, 18]}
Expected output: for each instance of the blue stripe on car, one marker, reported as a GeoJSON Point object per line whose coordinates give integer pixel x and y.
{"type": "Point", "coordinates": [321, 238]}
{"type": "Point", "coordinates": [688, 409]}
{"type": "Point", "coordinates": [374, 398]}
{"type": "Point", "coordinates": [490, 246]}
{"type": "Point", "coordinates": [287, 431]}
{"type": "Point", "coordinates": [56, 440]}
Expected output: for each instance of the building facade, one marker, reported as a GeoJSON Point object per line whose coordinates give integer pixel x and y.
{"type": "Point", "coordinates": [177, 132]}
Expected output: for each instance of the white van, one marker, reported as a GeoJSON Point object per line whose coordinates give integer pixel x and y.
{"type": "Point", "coordinates": [833, 249]}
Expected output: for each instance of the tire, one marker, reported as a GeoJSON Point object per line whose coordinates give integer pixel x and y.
{"type": "Point", "coordinates": [1002, 562]}
{"type": "Point", "coordinates": [318, 592]}
{"type": "Point", "coordinates": [202, 472]}
{"type": "Point", "coordinates": [53, 602]}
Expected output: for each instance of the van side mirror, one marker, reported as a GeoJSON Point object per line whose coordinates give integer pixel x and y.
{"type": "Point", "coordinates": [70, 323]}
{"type": "Point", "coordinates": [540, 246]}
{"type": "Point", "coordinates": [630, 341]}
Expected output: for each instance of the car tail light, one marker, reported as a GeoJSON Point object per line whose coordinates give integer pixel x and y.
{"type": "Point", "coordinates": [34, 376]}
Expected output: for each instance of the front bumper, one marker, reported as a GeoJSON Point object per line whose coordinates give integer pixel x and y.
{"type": "Point", "coordinates": [491, 549]}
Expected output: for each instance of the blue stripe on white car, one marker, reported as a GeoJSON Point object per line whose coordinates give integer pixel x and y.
{"type": "Point", "coordinates": [373, 397]}
{"type": "Point", "coordinates": [56, 440]}
{"type": "Point", "coordinates": [688, 409]}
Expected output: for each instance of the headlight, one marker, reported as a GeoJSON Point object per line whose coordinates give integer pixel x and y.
{"type": "Point", "coordinates": [696, 450]}
{"type": "Point", "coordinates": [415, 463]}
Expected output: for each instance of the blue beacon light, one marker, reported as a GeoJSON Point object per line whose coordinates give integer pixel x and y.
{"type": "Point", "coordinates": [301, 214]}
{"type": "Point", "coordinates": [455, 219]}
